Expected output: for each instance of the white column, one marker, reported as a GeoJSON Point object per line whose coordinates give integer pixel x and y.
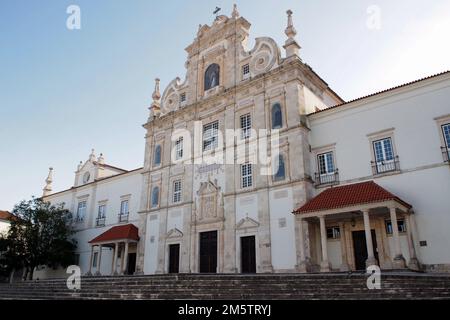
{"type": "Point", "coordinates": [301, 262]}
{"type": "Point", "coordinates": [99, 260]}
{"type": "Point", "coordinates": [114, 265]}
{"type": "Point", "coordinates": [413, 261]}
{"type": "Point", "coordinates": [324, 265]}
{"type": "Point", "coordinates": [344, 264]}
{"type": "Point", "coordinates": [125, 259]}
{"type": "Point", "coordinates": [89, 273]}
{"type": "Point", "coordinates": [370, 254]}
{"type": "Point", "coordinates": [399, 260]}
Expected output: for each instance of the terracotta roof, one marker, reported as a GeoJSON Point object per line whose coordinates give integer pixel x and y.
{"type": "Point", "coordinates": [128, 231]}
{"type": "Point", "coordinates": [5, 215]}
{"type": "Point", "coordinates": [349, 195]}
{"type": "Point", "coordinates": [380, 92]}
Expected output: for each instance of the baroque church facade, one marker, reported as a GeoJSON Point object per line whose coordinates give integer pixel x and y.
{"type": "Point", "coordinates": [355, 184]}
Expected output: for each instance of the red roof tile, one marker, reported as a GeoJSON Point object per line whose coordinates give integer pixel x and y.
{"type": "Point", "coordinates": [380, 92]}
{"type": "Point", "coordinates": [5, 215]}
{"type": "Point", "coordinates": [128, 231]}
{"type": "Point", "coordinates": [349, 195]}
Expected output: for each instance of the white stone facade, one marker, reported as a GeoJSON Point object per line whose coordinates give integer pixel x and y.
{"type": "Point", "coordinates": [175, 203]}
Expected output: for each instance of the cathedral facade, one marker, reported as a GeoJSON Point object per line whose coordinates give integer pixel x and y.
{"type": "Point", "coordinates": [253, 164]}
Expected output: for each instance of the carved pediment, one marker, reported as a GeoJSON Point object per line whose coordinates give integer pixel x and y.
{"type": "Point", "coordinates": [247, 223]}
{"type": "Point", "coordinates": [174, 233]}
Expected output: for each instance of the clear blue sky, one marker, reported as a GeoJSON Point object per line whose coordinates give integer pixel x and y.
{"type": "Point", "coordinates": [64, 92]}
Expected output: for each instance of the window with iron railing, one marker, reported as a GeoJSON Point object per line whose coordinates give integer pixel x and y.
{"type": "Point", "coordinates": [123, 215]}
{"type": "Point", "coordinates": [385, 160]}
{"type": "Point", "coordinates": [81, 211]}
{"type": "Point", "coordinates": [101, 216]}
{"type": "Point", "coordinates": [446, 148]}
{"type": "Point", "coordinates": [327, 173]}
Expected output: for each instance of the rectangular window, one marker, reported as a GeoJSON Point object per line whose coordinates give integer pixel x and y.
{"type": "Point", "coordinates": [383, 150]}
{"type": "Point", "coordinates": [446, 148]}
{"type": "Point", "coordinates": [101, 211]}
{"type": "Point", "coordinates": [183, 97]}
{"type": "Point", "coordinates": [326, 163]}
{"type": "Point", "coordinates": [124, 207]}
{"type": "Point", "coordinates": [245, 71]}
{"type": "Point", "coordinates": [177, 191]}
{"type": "Point", "coordinates": [333, 233]}
{"type": "Point", "coordinates": [210, 136]}
{"type": "Point", "coordinates": [246, 126]}
{"type": "Point", "coordinates": [384, 156]}
{"type": "Point", "coordinates": [400, 223]}
{"type": "Point", "coordinates": [81, 211]}
{"type": "Point", "coordinates": [94, 259]}
{"type": "Point", "coordinates": [246, 175]}
{"type": "Point", "coordinates": [179, 149]}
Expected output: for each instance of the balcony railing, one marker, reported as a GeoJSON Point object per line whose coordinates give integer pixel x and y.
{"type": "Point", "coordinates": [78, 219]}
{"type": "Point", "coordinates": [446, 154]}
{"type": "Point", "coordinates": [123, 217]}
{"type": "Point", "coordinates": [380, 167]}
{"type": "Point", "coordinates": [326, 179]}
{"type": "Point", "coordinates": [100, 221]}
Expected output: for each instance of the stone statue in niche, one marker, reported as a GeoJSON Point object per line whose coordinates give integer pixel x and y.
{"type": "Point", "coordinates": [212, 76]}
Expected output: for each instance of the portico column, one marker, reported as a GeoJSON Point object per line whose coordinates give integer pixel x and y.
{"type": "Point", "coordinates": [370, 254]}
{"type": "Point", "coordinates": [324, 265]}
{"type": "Point", "coordinates": [399, 260]}
{"type": "Point", "coordinates": [125, 259]}
{"type": "Point", "coordinates": [89, 273]}
{"type": "Point", "coordinates": [302, 265]}
{"type": "Point", "coordinates": [413, 262]}
{"type": "Point", "coordinates": [99, 261]}
{"type": "Point", "coordinates": [114, 265]}
{"type": "Point", "coordinates": [344, 264]}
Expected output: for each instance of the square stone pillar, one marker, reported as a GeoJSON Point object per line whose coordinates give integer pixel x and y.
{"type": "Point", "coordinates": [89, 273]}
{"type": "Point", "coordinates": [399, 260]}
{"type": "Point", "coordinates": [99, 261]}
{"type": "Point", "coordinates": [325, 264]}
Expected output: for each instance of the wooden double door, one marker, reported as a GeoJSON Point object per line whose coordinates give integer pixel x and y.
{"type": "Point", "coordinates": [248, 254]}
{"type": "Point", "coordinates": [208, 252]}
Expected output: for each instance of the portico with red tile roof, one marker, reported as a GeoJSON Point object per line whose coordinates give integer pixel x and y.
{"type": "Point", "coordinates": [119, 238]}
{"type": "Point", "coordinates": [354, 208]}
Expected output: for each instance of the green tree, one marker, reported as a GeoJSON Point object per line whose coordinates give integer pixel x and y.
{"type": "Point", "coordinates": [40, 234]}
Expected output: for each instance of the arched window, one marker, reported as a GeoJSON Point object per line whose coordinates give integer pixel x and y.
{"type": "Point", "coordinates": [157, 158]}
{"type": "Point", "coordinates": [277, 117]}
{"type": "Point", "coordinates": [281, 172]}
{"type": "Point", "coordinates": [155, 197]}
{"type": "Point", "coordinates": [212, 76]}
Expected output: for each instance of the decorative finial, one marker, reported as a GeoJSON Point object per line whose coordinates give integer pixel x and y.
{"type": "Point", "coordinates": [290, 30]}
{"type": "Point", "coordinates": [92, 156]}
{"type": "Point", "coordinates": [155, 107]}
{"type": "Point", "coordinates": [100, 159]}
{"type": "Point", "coordinates": [48, 183]}
{"type": "Point", "coordinates": [291, 46]}
{"type": "Point", "coordinates": [235, 13]}
{"type": "Point", "coordinates": [156, 95]}
{"type": "Point", "coordinates": [79, 166]}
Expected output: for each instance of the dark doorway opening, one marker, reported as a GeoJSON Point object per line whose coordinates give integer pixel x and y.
{"type": "Point", "coordinates": [360, 248]}
{"type": "Point", "coordinates": [248, 255]}
{"type": "Point", "coordinates": [208, 252]}
{"type": "Point", "coordinates": [174, 258]}
{"type": "Point", "coordinates": [131, 263]}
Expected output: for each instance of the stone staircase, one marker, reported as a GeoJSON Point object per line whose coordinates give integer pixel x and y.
{"type": "Point", "coordinates": [403, 285]}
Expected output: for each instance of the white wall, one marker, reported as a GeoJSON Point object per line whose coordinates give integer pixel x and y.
{"type": "Point", "coordinates": [282, 238]}
{"type": "Point", "coordinates": [425, 179]}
